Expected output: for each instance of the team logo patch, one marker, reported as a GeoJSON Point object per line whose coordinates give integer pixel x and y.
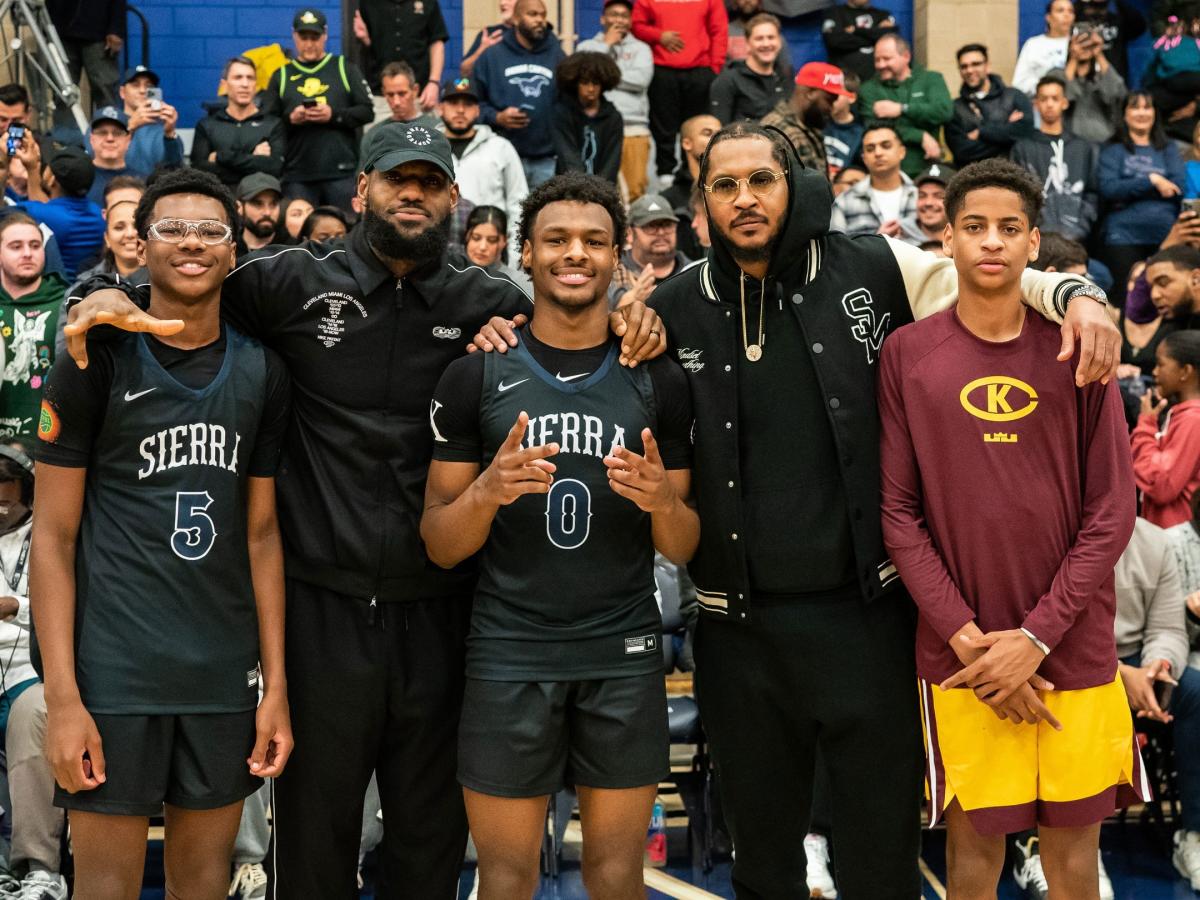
{"type": "Point", "coordinates": [447, 334]}
{"type": "Point", "coordinates": [868, 329]}
{"type": "Point", "coordinates": [49, 425]}
{"type": "Point", "coordinates": [1001, 397]}
{"type": "Point", "coordinates": [647, 643]}
{"type": "Point", "coordinates": [690, 359]}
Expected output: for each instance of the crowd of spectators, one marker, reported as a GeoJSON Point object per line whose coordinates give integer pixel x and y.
{"type": "Point", "coordinates": [637, 104]}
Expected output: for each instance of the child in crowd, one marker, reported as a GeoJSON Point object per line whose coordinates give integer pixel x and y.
{"type": "Point", "coordinates": [588, 130]}
{"type": "Point", "coordinates": [844, 131]}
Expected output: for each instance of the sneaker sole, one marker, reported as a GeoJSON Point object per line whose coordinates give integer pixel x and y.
{"type": "Point", "coordinates": [1182, 870]}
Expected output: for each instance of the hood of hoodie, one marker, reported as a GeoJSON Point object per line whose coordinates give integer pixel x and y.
{"type": "Point", "coordinates": [809, 207]}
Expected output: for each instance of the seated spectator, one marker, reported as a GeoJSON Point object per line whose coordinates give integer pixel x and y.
{"type": "Point", "coordinates": [120, 254]}
{"type": "Point", "coordinates": [120, 189]}
{"type": "Point", "coordinates": [487, 37]}
{"type": "Point", "coordinates": [750, 88]}
{"type": "Point", "coordinates": [1116, 23]}
{"type": "Point", "coordinates": [699, 221]}
{"type": "Point", "coordinates": [30, 300]}
{"type": "Point", "coordinates": [485, 244]}
{"type": "Point", "coordinates": [240, 139]}
{"type": "Point", "coordinates": [1185, 542]}
{"type": "Point", "coordinates": [630, 96]}
{"type": "Point", "coordinates": [59, 200]}
{"type": "Point", "coordinates": [402, 95]}
{"type": "Point", "coordinates": [802, 115]}
{"type": "Point", "coordinates": [292, 213]}
{"type": "Point", "coordinates": [886, 197]}
{"type": "Point", "coordinates": [1173, 278]}
{"type": "Point", "coordinates": [1043, 53]}
{"type": "Point", "coordinates": [913, 99]}
{"type": "Point", "coordinates": [740, 13]}
{"type": "Point", "coordinates": [843, 132]}
{"type": "Point", "coordinates": [652, 255]}
{"type": "Point", "coordinates": [258, 199]}
{"type": "Point", "coordinates": [14, 110]}
{"type": "Point", "coordinates": [850, 33]}
{"type": "Point", "coordinates": [694, 136]}
{"type": "Point", "coordinates": [109, 138]}
{"type": "Point", "coordinates": [1058, 253]}
{"type": "Point", "coordinates": [486, 166]}
{"type": "Point", "coordinates": [1095, 89]}
{"type": "Point", "coordinates": [1173, 77]}
{"type": "Point", "coordinates": [930, 222]}
{"type": "Point", "coordinates": [514, 81]}
{"type": "Point", "coordinates": [848, 177]}
{"type": "Point", "coordinates": [587, 130]}
{"type": "Point", "coordinates": [1166, 442]}
{"type": "Point", "coordinates": [324, 224]}
{"type": "Point", "coordinates": [151, 122]}
{"type": "Point", "coordinates": [1191, 185]}
{"type": "Point", "coordinates": [1140, 178]}
{"type": "Point", "coordinates": [1065, 163]}
{"type": "Point", "coordinates": [988, 117]}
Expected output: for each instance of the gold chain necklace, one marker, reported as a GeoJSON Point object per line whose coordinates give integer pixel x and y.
{"type": "Point", "coordinates": [754, 351]}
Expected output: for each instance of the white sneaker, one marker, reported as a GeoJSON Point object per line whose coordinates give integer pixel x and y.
{"type": "Point", "coordinates": [38, 885]}
{"type": "Point", "coordinates": [820, 881]}
{"type": "Point", "coordinates": [1106, 888]}
{"type": "Point", "coordinates": [1187, 856]}
{"type": "Point", "coordinates": [249, 882]}
{"type": "Point", "coordinates": [1027, 870]}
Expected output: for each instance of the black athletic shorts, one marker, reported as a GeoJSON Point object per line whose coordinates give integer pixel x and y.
{"type": "Point", "coordinates": [532, 738]}
{"type": "Point", "coordinates": [191, 761]}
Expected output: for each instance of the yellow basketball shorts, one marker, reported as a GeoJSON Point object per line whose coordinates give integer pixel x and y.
{"type": "Point", "coordinates": [1012, 776]}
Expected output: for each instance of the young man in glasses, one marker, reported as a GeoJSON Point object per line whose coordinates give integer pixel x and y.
{"type": "Point", "coordinates": [157, 567]}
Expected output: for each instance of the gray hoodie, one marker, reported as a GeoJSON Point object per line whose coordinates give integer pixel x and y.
{"type": "Point", "coordinates": [636, 62]}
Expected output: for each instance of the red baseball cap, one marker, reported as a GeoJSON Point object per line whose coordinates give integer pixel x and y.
{"type": "Point", "coordinates": [824, 77]}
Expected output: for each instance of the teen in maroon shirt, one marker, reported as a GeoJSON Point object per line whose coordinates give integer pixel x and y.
{"type": "Point", "coordinates": [1007, 498]}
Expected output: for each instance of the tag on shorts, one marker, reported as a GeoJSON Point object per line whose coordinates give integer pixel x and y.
{"type": "Point", "coordinates": [647, 643]}
{"type": "Point", "coordinates": [252, 678]}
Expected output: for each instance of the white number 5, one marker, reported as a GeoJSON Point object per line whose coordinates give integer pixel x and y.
{"type": "Point", "coordinates": [194, 531]}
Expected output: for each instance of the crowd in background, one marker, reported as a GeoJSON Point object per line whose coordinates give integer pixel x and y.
{"type": "Point", "coordinates": [637, 103]}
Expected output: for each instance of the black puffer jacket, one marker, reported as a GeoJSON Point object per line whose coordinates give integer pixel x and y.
{"type": "Point", "coordinates": [990, 115]}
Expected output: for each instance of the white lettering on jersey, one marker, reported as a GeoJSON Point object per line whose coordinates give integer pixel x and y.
{"type": "Point", "coordinates": [194, 444]}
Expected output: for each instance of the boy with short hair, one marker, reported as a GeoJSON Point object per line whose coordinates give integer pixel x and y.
{"type": "Point", "coordinates": [1007, 500]}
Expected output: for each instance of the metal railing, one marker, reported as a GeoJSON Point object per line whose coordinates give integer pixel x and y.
{"type": "Point", "coordinates": [131, 10]}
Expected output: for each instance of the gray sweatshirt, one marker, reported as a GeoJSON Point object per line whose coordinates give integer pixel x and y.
{"type": "Point", "coordinates": [1150, 617]}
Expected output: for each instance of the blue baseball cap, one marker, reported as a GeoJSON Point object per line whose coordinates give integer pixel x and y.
{"type": "Point", "coordinates": [137, 71]}
{"type": "Point", "coordinates": [110, 114]}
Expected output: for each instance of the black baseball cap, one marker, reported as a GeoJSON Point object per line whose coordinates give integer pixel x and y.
{"type": "Point", "coordinates": [309, 19]}
{"type": "Point", "coordinates": [626, 3]}
{"type": "Point", "coordinates": [73, 169]}
{"type": "Point", "coordinates": [254, 184]}
{"type": "Point", "coordinates": [394, 143]}
{"type": "Point", "coordinates": [133, 73]}
{"type": "Point", "coordinates": [938, 172]}
{"type": "Point", "coordinates": [460, 87]}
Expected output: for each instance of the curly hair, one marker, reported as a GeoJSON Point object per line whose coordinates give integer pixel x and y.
{"type": "Point", "coordinates": [994, 173]}
{"type": "Point", "coordinates": [738, 130]}
{"type": "Point", "coordinates": [598, 68]}
{"type": "Point", "coordinates": [183, 181]}
{"type": "Point", "coordinates": [574, 187]}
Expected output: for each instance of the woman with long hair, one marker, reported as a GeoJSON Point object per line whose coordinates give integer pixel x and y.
{"type": "Point", "coordinates": [1141, 176]}
{"type": "Point", "coordinates": [292, 213]}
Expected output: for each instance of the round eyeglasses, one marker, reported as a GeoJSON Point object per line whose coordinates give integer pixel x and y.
{"type": "Point", "coordinates": [760, 183]}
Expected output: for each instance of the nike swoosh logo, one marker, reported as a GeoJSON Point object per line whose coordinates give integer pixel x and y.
{"type": "Point", "coordinates": [561, 377]}
{"type": "Point", "coordinates": [129, 396]}
{"type": "Point", "coordinates": [502, 387]}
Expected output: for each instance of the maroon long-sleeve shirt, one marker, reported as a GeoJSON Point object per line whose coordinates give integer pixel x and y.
{"type": "Point", "coordinates": [1007, 493]}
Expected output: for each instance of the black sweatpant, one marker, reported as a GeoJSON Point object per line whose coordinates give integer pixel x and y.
{"type": "Point", "coordinates": [839, 676]}
{"type": "Point", "coordinates": [675, 96]}
{"type": "Point", "coordinates": [370, 690]}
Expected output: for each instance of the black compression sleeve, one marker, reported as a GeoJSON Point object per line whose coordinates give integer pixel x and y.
{"type": "Point", "coordinates": [673, 402]}
{"type": "Point", "coordinates": [454, 411]}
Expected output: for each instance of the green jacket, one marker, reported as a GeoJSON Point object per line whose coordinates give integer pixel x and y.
{"type": "Point", "coordinates": [929, 108]}
{"type": "Point", "coordinates": [28, 325]}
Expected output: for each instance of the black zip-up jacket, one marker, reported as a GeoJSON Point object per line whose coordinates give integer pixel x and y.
{"type": "Point", "coordinates": [741, 93]}
{"type": "Point", "coordinates": [990, 115]}
{"type": "Point", "coordinates": [854, 50]}
{"type": "Point", "coordinates": [847, 294]}
{"type": "Point", "coordinates": [234, 140]}
{"type": "Point", "coordinates": [365, 352]}
{"type": "Point", "coordinates": [588, 144]}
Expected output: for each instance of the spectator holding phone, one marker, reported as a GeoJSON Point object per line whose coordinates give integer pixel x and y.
{"type": "Point", "coordinates": [1166, 442]}
{"type": "Point", "coordinates": [1094, 88]}
{"type": "Point", "coordinates": [151, 123]}
{"type": "Point", "coordinates": [1044, 52]}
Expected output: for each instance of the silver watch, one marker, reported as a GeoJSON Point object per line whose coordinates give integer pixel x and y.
{"type": "Point", "coordinates": [1087, 290]}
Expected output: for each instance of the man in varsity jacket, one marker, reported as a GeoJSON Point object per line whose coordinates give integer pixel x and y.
{"type": "Point", "coordinates": [806, 636]}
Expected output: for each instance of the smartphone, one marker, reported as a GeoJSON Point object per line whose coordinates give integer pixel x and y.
{"type": "Point", "coordinates": [1192, 205]}
{"type": "Point", "coordinates": [155, 96]}
{"type": "Point", "coordinates": [16, 134]}
{"type": "Point", "coordinates": [1162, 693]}
{"type": "Point", "coordinates": [309, 103]}
{"type": "Point", "coordinates": [1083, 28]}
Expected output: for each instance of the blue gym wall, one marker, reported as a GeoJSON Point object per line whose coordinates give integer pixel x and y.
{"type": "Point", "coordinates": [189, 41]}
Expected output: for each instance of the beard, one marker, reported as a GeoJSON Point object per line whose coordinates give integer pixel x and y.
{"type": "Point", "coordinates": [20, 279]}
{"type": "Point", "coordinates": [533, 35]}
{"type": "Point", "coordinates": [457, 132]}
{"type": "Point", "coordinates": [814, 117]}
{"type": "Point", "coordinates": [388, 241]}
{"type": "Point", "coordinates": [262, 228]}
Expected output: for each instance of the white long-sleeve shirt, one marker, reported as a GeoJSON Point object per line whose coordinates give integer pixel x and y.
{"type": "Point", "coordinates": [1039, 55]}
{"type": "Point", "coordinates": [15, 664]}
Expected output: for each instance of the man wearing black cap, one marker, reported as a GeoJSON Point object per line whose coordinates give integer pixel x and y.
{"type": "Point", "coordinates": [109, 137]}
{"type": "Point", "coordinates": [375, 638]}
{"type": "Point", "coordinates": [258, 197]}
{"type": "Point", "coordinates": [929, 223]}
{"type": "Point", "coordinates": [151, 122]}
{"type": "Point", "coordinates": [58, 199]}
{"type": "Point", "coordinates": [324, 100]}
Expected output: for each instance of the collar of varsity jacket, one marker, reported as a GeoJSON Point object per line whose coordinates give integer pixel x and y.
{"type": "Point", "coordinates": [370, 273]}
